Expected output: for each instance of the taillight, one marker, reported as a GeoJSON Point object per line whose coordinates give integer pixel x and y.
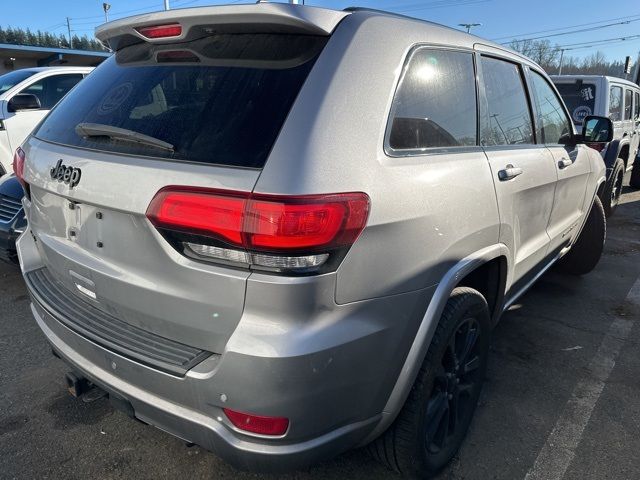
{"type": "Point", "coordinates": [271, 426]}
{"type": "Point", "coordinates": [278, 233]}
{"type": "Point", "coordinates": [161, 31]}
{"type": "Point", "coordinates": [18, 166]}
{"type": "Point", "coordinates": [599, 146]}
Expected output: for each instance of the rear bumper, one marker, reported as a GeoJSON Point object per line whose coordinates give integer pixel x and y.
{"type": "Point", "coordinates": [331, 380]}
{"type": "Point", "coordinates": [207, 429]}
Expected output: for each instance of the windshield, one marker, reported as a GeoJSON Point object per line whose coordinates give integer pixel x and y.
{"type": "Point", "coordinates": [221, 99]}
{"type": "Point", "coordinates": [580, 99]}
{"type": "Point", "coordinates": [11, 79]}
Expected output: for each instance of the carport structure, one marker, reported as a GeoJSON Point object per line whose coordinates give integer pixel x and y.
{"type": "Point", "coordinates": [13, 57]}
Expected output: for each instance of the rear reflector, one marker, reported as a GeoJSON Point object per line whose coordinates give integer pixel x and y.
{"type": "Point", "coordinates": [263, 223]}
{"type": "Point", "coordinates": [18, 165]}
{"type": "Point", "coordinates": [272, 426]}
{"type": "Point", "coordinates": [161, 31]}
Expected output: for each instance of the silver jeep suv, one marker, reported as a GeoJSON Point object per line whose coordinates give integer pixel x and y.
{"type": "Point", "coordinates": [281, 232]}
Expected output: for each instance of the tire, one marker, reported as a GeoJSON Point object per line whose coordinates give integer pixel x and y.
{"type": "Point", "coordinates": [587, 250]}
{"type": "Point", "coordinates": [613, 189]}
{"type": "Point", "coordinates": [634, 181]}
{"type": "Point", "coordinates": [413, 445]}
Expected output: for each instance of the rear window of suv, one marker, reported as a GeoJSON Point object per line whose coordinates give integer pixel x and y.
{"type": "Point", "coordinates": [580, 99]}
{"type": "Point", "coordinates": [221, 99]}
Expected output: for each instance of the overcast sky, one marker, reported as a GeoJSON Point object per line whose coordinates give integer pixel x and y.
{"type": "Point", "coordinates": [501, 19]}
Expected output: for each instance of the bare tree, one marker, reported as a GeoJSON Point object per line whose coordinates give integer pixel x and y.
{"type": "Point", "coordinates": [548, 57]}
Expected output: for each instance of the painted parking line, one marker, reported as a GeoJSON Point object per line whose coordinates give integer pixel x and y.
{"type": "Point", "coordinates": [559, 449]}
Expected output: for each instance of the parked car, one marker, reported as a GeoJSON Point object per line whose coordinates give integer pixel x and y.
{"type": "Point", "coordinates": [26, 96]}
{"type": "Point", "coordinates": [280, 231]}
{"type": "Point", "coordinates": [12, 219]}
{"type": "Point", "coordinates": [619, 100]}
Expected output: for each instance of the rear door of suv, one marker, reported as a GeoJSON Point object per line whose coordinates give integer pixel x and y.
{"type": "Point", "coordinates": [524, 172]}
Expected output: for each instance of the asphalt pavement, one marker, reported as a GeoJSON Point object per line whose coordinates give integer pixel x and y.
{"type": "Point", "coordinates": [561, 399]}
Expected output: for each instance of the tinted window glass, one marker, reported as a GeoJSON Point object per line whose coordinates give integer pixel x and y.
{"type": "Point", "coordinates": [50, 90]}
{"type": "Point", "coordinates": [580, 99]}
{"type": "Point", "coordinates": [11, 79]}
{"type": "Point", "coordinates": [553, 125]}
{"type": "Point", "coordinates": [628, 107]}
{"type": "Point", "coordinates": [615, 104]}
{"type": "Point", "coordinates": [508, 120]}
{"type": "Point", "coordinates": [435, 105]}
{"type": "Point", "coordinates": [636, 106]}
{"type": "Point", "coordinates": [221, 99]}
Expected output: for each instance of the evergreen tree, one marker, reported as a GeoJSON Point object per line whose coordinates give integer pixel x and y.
{"type": "Point", "coordinates": [19, 36]}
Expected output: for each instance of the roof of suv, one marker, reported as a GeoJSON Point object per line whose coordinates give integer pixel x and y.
{"type": "Point", "coordinates": [586, 78]}
{"type": "Point", "coordinates": [275, 17]}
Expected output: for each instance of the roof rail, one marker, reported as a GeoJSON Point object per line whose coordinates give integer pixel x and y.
{"type": "Point", "coordinates": [377, 10]}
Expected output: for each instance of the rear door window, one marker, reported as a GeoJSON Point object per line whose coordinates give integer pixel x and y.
{"type": "Point", "coordinates": [50, 90]}
{"type": "Point", "coordinates": [628, 104]}
{"type": "Point", "coordinates": [435, 105]}
{"type": "Point", "coordinates": [636, 113]}
{"type": "Point", "coordinates": [580, 99]}
{"type": "Point", "coordinates": [221, 99]}
{"type": "Point", "coordinates": [508, 120]}
{"type": "Point", "coordinates": [615, 104]}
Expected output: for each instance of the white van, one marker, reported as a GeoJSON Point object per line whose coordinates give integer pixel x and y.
{"type": "Point", "coordinates": [619, 100]}
{"type": "Point", "coordinates": [26, 96]}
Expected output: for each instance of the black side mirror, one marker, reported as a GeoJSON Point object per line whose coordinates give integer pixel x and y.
{"type": "Point", "coordinates": [24, 101]}
{"type": "Point", "coordinates": [597, 129]}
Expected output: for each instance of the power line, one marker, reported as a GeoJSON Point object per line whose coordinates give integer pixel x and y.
{"type": "Point", "coordinates": [604, 40]}
{"type": "Point", "coordinates": [590, 29]}
{"type": "Point", "coordinates": [564, 28]}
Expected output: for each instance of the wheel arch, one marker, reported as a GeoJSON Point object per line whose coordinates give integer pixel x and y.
{"type": "Point", "coordinates": [613, 153]}
{"type": "Point", "coordinates": [490, 263]}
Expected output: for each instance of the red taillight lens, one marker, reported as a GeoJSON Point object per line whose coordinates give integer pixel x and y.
{"type": "Point", "coordinates": [18, 165]}
{"type": "Point", "coordinates": [273, 426]}
{"type": "Point", "coordinates": [264, 223]}
{"type": "Point", "coordinates": [203, 213]}
{"type": "Point", "coordinates": [599, 146]}
{"type": "Point", "coordinates": [161, 31]}
{"type": "Point", "coordinates": [303, 222]}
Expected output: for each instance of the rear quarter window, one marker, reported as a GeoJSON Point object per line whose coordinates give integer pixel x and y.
{"type": "Point", "coordinates": [580, 99]}
{"type": "Point", "coordinates": [221, 99]}
{"type": "Point", "coordinates": [435, 103]}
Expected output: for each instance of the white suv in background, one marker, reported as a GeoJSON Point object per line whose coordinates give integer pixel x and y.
{"type": "Point", "coordinates": [619, 100]}
{"type": "Point", "coordinates": [26, 96]}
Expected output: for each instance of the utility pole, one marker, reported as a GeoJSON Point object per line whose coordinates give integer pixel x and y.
{"type": "Point", "coordinates": [469, 26]}
{"type": "Point", "coordinates": [166, 5]}
{"type": "Point", "coordinates": [69, 30]}
{"type": "Point", "coordinates": [561, 59]}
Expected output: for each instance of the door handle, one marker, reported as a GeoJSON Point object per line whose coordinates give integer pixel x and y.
{"type": "Point", "coordinates": [564, 163]}
{"type": "Point", "coordinates": [509, 172]}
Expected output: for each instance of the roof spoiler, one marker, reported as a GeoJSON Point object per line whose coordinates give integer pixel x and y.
{"type": "Point", "coordinates": [201, 21]}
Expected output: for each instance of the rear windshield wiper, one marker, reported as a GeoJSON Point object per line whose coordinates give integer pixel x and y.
{"type": "Point", "coordinates": [88, 130]}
